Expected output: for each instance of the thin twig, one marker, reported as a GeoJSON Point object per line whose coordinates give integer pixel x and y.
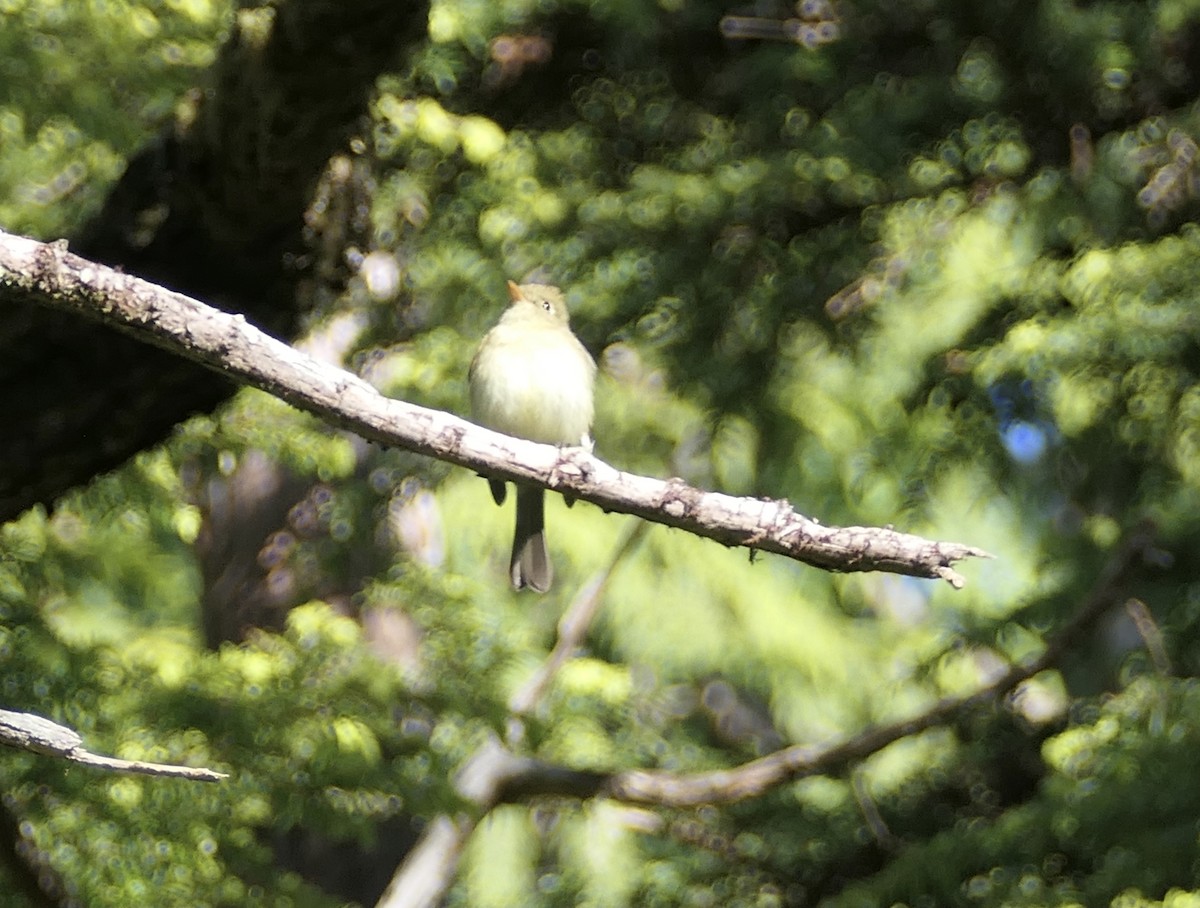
{"type": "Point", "coordinates": [758, 776]}
{"type": "Point", "coordinates": [36, 734]}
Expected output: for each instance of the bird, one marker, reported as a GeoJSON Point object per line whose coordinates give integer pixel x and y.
{"type": "Point", "coordinates": [532, 378]}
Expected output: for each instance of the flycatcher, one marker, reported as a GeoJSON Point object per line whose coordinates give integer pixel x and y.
{"type": "Point", "coordinates": [532, 378]}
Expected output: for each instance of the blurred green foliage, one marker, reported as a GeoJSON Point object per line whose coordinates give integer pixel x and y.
{"type": "Point", "coordinates": [82, 86]}
{"type": "Point", "coordinates": [938, 271]}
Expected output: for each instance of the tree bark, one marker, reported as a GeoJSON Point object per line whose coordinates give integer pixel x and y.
{"type": "Point", "coordinates": [215, 207]}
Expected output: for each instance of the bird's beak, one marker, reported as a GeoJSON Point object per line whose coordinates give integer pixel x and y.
{"type": "Point", "coordinates": [514, 292]}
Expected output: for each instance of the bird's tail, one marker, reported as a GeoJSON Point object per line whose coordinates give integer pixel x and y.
{"type": "Point", "coordinates": [530, 565]}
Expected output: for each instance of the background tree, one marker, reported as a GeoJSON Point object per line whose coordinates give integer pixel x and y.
{"type": "Point", "coordinates": [920, 264]}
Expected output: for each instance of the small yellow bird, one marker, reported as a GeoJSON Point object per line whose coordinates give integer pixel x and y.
{"type": "Point", "coordinates": [532, 378]}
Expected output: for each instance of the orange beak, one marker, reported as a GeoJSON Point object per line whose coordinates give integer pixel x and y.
{"type": "Point", "coordinates": [514, 292]}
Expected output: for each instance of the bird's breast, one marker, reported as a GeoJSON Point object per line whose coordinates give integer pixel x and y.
{"type": "Point", "coordinates": [539, 391]}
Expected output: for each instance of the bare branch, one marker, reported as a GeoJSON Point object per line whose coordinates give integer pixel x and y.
{"type": "Point", "coordinates": [49, 275]}
{"type": "Point", "coordinates": [26, 731]}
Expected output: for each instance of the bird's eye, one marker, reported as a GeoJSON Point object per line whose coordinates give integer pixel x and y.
{"type": "Point", "coordinates": [547, 305]}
